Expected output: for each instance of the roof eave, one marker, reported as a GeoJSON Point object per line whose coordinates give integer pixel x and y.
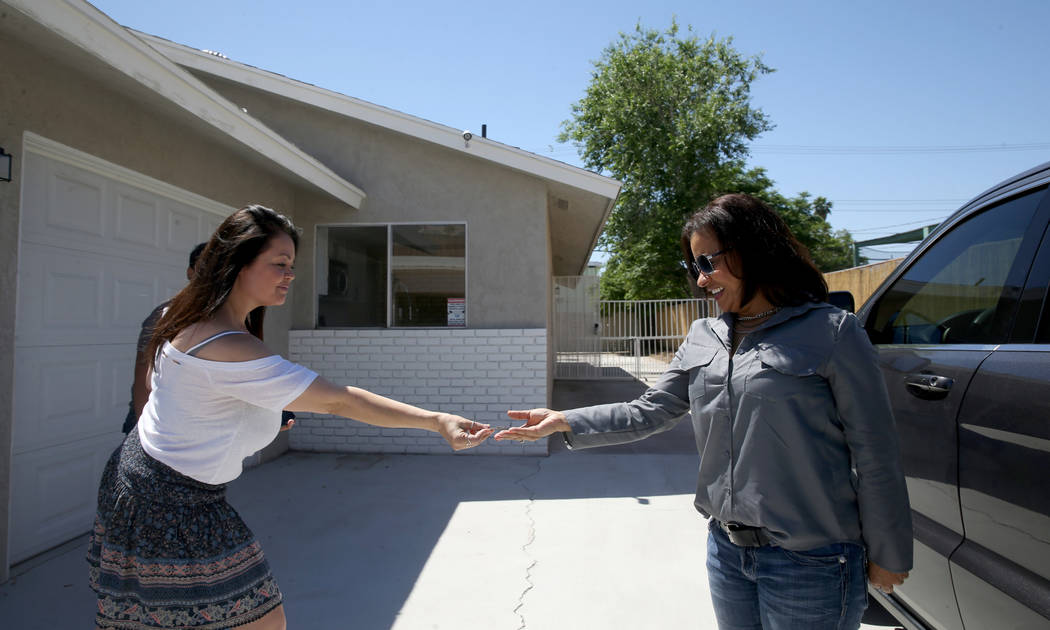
{"type": "Point", "coordinates": [91, 30]}
{"type": "Point", "coordinates": [358, 109]}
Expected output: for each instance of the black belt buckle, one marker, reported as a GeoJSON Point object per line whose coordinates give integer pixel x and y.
{"type": "Point", "coordinates": [744, 535]}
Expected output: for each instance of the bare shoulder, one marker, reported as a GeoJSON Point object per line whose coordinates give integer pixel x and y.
{"type": "Point", "coordinates": [231, 348]}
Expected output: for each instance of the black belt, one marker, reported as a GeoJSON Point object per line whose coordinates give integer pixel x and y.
{"type": "Point", "coordinates": [744, 535]}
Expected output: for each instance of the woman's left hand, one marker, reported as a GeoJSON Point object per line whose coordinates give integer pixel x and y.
{"type": "Point", "coordinates": [883, 579]}
{"type": "Point", "coordinates": [461, 433]}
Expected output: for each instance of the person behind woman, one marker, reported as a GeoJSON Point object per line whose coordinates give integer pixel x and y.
{"type": "Point", "coordinates": [139, 386]}
{"type": "Point", "coordinates": [800, 468]}
{"type": "Point", "coordinates": [167, 550]}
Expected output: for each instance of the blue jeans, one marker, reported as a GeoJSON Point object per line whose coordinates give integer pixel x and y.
{"type": "Point", "coordinates": [771, 588]}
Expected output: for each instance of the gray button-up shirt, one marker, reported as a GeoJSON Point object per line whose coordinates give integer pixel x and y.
{"type": "Point", "coordinates": [795, 431]}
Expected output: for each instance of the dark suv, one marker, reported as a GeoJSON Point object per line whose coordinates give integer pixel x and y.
{"type": "Point", "coordinates": [962, 328]}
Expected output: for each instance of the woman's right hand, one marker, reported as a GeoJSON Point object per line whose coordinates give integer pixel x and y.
{"type": "Point", "coordinates": [462, 433]}
{"type": "Point", "coordinates": [539, 423]}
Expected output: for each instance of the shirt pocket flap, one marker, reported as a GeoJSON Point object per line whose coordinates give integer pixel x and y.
{"type": "Point", "coordinates": [695, 356]}
{"type": "Point", "coordinates": [788, 360]}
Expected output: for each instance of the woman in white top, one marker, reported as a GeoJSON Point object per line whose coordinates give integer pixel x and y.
{"type": "Point", "coordinates": [167, 550]}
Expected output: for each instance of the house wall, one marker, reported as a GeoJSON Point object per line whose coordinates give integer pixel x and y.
{"type": "Point", "coordinates": [409, 180]}
{"type": "Point", "coordinates": [476, 373]}
{"type": "Point", "coordinates": [66, 105]}
{"type": "Point", "coordinates": [500, 361]}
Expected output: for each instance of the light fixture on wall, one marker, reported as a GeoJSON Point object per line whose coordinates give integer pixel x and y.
{"type": "Point", "coordinates": [5, 166]}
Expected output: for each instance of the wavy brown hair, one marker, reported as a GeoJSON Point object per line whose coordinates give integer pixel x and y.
{"type": "Point", "coordinates": [235, 244]}
{"type": "Point", "coordinates": [772, 260]}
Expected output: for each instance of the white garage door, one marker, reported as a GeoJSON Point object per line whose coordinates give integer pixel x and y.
{"type": "Point", "coordinates": [100, 247]}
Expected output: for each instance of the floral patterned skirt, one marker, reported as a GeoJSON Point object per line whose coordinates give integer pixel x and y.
{"type": "Point", "coordinates": [168, 551]}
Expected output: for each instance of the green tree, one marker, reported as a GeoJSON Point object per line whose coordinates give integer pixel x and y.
{"type": "Point", "coordinates": [807, 218]}
{"type": "Point", "coordinates": [670, 116]}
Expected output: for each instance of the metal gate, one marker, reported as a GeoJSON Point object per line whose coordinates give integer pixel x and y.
{"type": "Point", "coordinates": [617, 339]}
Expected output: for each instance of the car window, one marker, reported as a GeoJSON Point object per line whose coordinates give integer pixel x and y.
{"type": "Point", "coordinates": [1033, 310]}
{"type": "Point", "coordinates": [960, 290]}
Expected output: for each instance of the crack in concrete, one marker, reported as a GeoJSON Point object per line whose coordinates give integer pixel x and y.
{"type": "Point", "coordinates": [528, 543]}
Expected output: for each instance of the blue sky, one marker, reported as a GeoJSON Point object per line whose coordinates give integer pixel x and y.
{"type": "Point", "coordinates": [896, 111]}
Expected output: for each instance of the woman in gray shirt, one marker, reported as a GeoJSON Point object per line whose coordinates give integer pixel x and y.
{"type": "Point", "coordinates": [800, 468]}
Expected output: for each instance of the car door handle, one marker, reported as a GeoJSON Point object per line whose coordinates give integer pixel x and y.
{"type": "Point", "coordinates": [928, 386]}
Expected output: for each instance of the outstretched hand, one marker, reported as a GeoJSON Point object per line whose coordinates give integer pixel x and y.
{"type": "Point", "coordinates": [539, 423]}
{"type": "Point", "coordinates": [461, 433]}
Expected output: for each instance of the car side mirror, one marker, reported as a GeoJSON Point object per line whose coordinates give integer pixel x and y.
{"type": "Point", "coordinates": [843, 300]}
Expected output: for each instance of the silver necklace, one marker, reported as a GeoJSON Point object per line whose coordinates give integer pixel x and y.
{"type": "Point", "coordinates": [751, 318]}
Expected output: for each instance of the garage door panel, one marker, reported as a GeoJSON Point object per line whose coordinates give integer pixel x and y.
{"type": "Point", "coordinates": [137, 290]}
{"type": "Point", "coordinates": [183, 230]}
{"type": "Point", "coordinates": [61, 295]}
{"type": "Point", "coordinates": [55, 493]}
{"type": "Point", "coordinates": [136, 216]}
{"type": "Point", "coordinates": [173, 287]}
{"type": "Point", "coordinates": [134, 297]}
{"type": "Point", "coordinates": [72, 298]}
{"type": "Point", "coordinates": [121, 374]}
{"type": "Point", "coordinates": [67, 394]}
{"type": "Point", "coordinates": [70, 393]}
{"type": "Point", "coordinates": [74, 208]}
{"type": "Point", "coordinates": [75, 202]}
{"type": "Point", "coordinates": [209, 223]}
{"type": "Point", "coordinates": [73, 294]}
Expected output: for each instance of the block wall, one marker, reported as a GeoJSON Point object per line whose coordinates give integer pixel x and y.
{"type": "Point", "coordinates": [476, 373]}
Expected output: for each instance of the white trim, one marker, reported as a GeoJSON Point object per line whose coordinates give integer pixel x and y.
{"type": "Point", "coordinates": [389, 274]}
{"type": "Point", "coordinates": [389, 306]}
{"type": "Point", "coordinates": [91, 30]}
{"type": "Point", "coordinates": [74, 157]}
{"type": "Point", "coordinates": [422, 129]}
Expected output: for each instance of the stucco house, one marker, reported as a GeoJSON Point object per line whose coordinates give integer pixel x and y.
{"type": "Point", "coordinates": [424, 271]}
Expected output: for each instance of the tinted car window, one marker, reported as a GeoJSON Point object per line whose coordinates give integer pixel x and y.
{"type": "Point", "coordinates": [1033, 300]}
{"type": "Point", "coordinates": [958, 290]}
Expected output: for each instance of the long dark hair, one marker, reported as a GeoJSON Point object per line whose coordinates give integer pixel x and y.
{"type": "Point", "coordinates": [235, 244]}
{"type": "Point", "coordinates": [771, 258]}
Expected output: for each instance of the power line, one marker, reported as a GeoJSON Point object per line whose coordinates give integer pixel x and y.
{"type": "Point", "coordinates": [899, 201]}
{"type": "Point", "coordinates": [803, 149]}
{"type": "Point", "coordinates": [896, 225]}
{"type": "Point", "coordinates": [831, 149]}
{"type": "Point", "coordinates": [889, 210]}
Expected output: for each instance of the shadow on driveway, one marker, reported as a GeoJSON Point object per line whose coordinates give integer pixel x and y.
{"type": "Point", "coordinates": [444, 541]}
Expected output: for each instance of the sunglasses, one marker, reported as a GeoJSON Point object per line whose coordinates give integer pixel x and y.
{"type": "Point", "coordinates": [702, 264]}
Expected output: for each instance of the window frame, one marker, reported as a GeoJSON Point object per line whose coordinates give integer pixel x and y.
{"type": "Point", "coordinates": [388, 297]}
{"type": "Point", "coordinates": [1021, 266]}
{"type": "Point", "coordinates": [1036, 289]}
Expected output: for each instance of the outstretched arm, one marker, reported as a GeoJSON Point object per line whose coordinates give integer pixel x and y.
{"type": "Point", "coordinates": [358, 404]}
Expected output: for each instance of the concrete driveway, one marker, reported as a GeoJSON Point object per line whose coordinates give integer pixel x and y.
{"type": "Point", "coordinates": [590, 539]}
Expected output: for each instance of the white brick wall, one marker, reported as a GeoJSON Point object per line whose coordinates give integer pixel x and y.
{"type": "Point", "coordinates": [476, 373]}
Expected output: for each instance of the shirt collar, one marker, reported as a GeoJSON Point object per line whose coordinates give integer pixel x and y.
{"type": "Point", "coordinates": [724, 323]}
